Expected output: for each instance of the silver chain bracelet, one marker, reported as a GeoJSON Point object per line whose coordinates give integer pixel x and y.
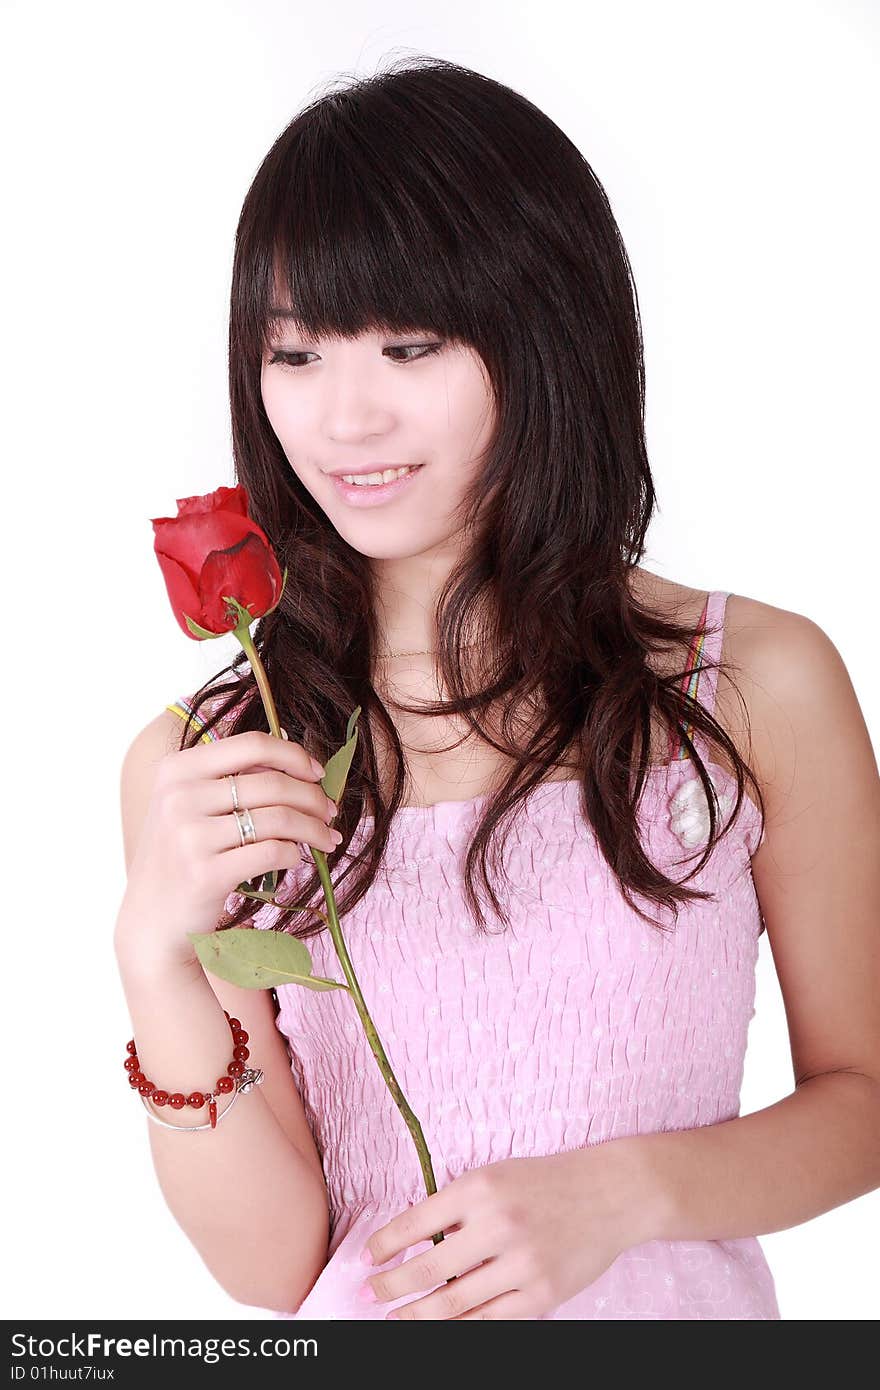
{"type": "Point", "coordinates": [250, 1077]}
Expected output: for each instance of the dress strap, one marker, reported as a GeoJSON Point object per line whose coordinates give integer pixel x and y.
{"type": "Point", "coordinates": [184, 709]}
{"type": "Point", "coordinates": [705, 648]}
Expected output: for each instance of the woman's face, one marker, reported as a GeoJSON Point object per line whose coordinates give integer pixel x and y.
{"type": "Point", "coordinates": [382, 401]}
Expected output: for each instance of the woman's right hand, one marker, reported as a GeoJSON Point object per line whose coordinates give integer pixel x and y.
{"type": "Point", "coordinates": [189, 856]}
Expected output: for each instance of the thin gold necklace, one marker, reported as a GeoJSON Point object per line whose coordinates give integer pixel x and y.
{"type": "Point", "coordinates": [388, 655]}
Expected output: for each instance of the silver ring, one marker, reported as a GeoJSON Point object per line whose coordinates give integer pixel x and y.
{"type": "Point", "coordinates": [230, 777]}
{"type": "Point", "coordinates": [246, 832]}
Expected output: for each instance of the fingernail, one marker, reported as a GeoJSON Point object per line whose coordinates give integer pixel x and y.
{"type": "Point", "coordinates": [285, 734]}
{"type": "Point", "coordinates": [332, 808]}
{"type": "Point", "coordinates": [317, 768]}
{"type": "Point", "coordinates": [336, 837]}
{"type": "Point", "coordinates": [365, 1294]}
{"type": "Point", "coordinates": [365, 1256]}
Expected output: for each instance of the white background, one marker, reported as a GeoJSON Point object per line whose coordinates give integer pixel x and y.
{"type": "Point", "coordinates": [737, 144]}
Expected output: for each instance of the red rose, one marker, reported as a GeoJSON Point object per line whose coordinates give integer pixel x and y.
{"type": "Point", "coordinates": [212, 551]}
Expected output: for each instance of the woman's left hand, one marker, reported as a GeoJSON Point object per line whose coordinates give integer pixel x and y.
{"type": "Point", "coordinates": [521, 1236]}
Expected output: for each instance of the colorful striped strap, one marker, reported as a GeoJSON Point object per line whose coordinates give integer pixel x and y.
{"type": "Point", "coordinates": [182, 708]}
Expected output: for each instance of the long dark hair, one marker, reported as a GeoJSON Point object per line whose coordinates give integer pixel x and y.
{"type": "Point", "coordinates": [429, 196]}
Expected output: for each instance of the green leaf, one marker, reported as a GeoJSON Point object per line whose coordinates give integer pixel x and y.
{"type": "Point", "coordinates": [200, 631]}
{"type": "Point", "coordinates": [352, 720]}
{"type": "Point", "coordinates": [255, 958]}
{"type": "Point", "coordinates": [268, 887]}
{"type": "Point", "coordinates": [270, 881]}
{"type": "Point", "coordinates": [280, 592]}
{"type": "Point", "coordinates": [337, 768]}
{"type": "Point", "coordinates": [264, 897]}
{"type": "Point", "coordinates": [244, 617]}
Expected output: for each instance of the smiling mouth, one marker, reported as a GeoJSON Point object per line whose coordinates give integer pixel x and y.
{"type": "Point", "coordinates": [379, 478]}
{"type": "Point", "coordinates": [372, 490]}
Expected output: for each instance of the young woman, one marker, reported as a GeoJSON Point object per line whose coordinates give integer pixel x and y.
{"type": "Point", "coordinates": [579, 795]}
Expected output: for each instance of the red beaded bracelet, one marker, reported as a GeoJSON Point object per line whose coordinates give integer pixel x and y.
{"type": "Point", "coordinates": [238, 1078]}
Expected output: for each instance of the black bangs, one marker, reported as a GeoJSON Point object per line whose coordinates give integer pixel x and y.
{"type": "Point", "coordinates": [362, 240]}
{"type": "Point", "coordinates": [390, 211]}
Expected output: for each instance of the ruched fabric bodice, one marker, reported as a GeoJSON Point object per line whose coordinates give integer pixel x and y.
{"type": "Point", "coordinates": [579, 1024]}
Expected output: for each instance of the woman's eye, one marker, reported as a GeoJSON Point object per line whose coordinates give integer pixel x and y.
{"type": "Point", "coordinates": [422, 349]}
{"type": "Point", "coordinates": [287, 359]}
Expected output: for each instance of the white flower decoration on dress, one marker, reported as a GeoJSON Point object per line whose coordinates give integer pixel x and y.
{"type": "Point", "coordinates": [689, 811]}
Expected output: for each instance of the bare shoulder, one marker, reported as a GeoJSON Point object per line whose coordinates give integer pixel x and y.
{"type": "Point", "coordinates": [160, 736]}
{"type": "Point", "coordinates": [782, 685]}
{"type": "Point", "coordinates": [803, 713]}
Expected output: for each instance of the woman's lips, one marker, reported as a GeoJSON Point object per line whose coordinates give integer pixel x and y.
{"type": "Point", "coordinates": [373, 494]}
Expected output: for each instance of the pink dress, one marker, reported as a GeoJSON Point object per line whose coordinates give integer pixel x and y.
{"type": "Point", "coordinates": [579, 1024]}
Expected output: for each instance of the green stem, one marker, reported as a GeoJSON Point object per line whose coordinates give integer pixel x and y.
{"type": "Point", "coordinates": [412, 1123]}
{"type": "Point", "coordinates": [373, 1038]}
{"type": "Point", "coordinates": [243, 633]}
{"type": "Point", "coordinates": [244, 636]}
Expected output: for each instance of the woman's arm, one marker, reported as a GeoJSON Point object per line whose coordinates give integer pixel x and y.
{"type": "Point", "coordinates": [250, 1194]}
{"type": "Point", "coordinates": [817, 876]}
{"type": "Point", "coordinates": [252, 1204]}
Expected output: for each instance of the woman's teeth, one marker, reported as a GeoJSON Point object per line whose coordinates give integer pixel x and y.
{"type": "Point", "coordinates": [371, 479]}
